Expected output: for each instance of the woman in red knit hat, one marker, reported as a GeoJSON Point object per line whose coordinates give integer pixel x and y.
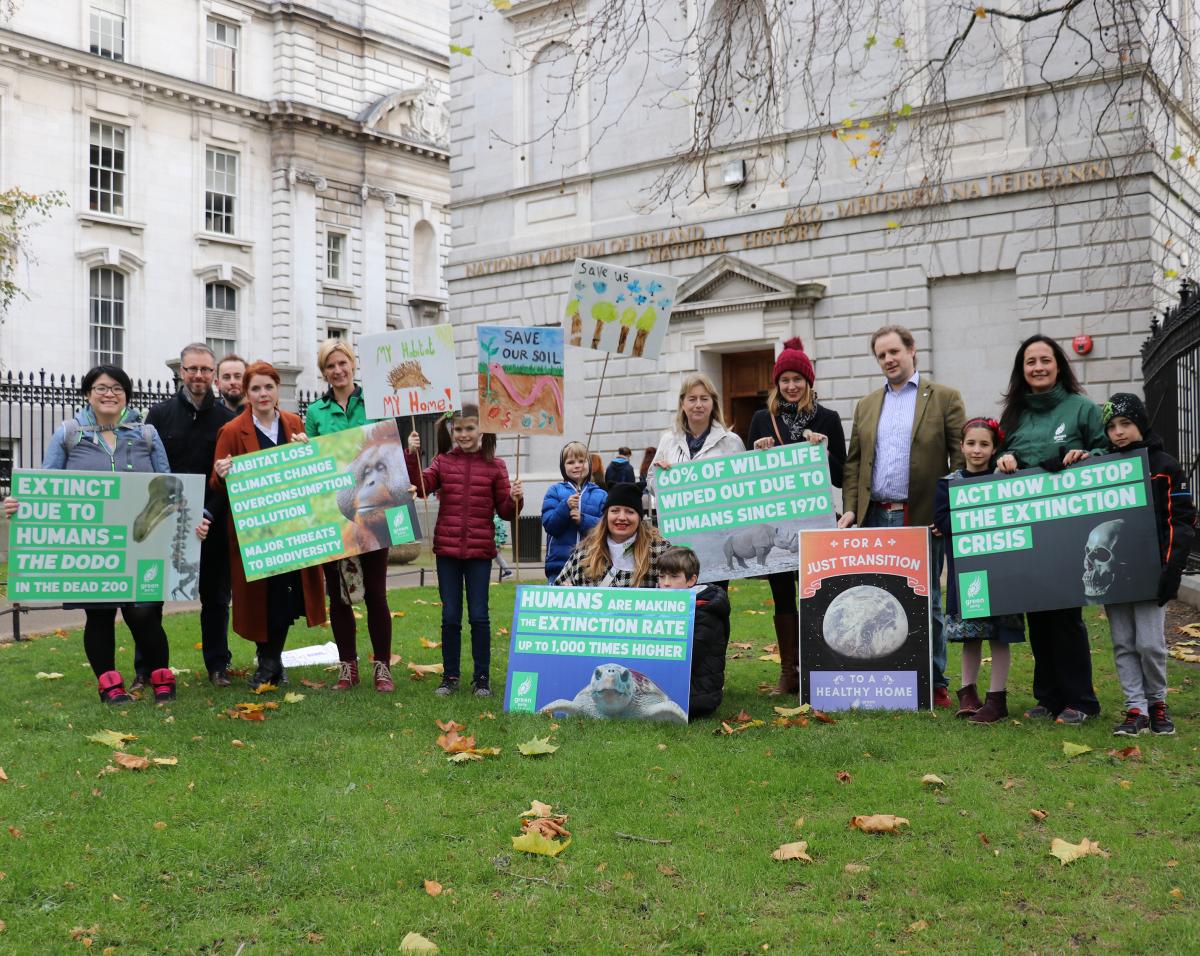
{"type": "Point", "coordinates": [792, 415]}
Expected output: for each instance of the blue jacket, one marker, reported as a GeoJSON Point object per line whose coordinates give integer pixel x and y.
{"type": "Point", "coordinates": [563, 533]}
{"type": "Point", "coordinates": [138, 446]}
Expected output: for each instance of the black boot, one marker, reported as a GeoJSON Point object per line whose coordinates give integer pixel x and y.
{"type": "Point", "coordinates": [268, 671]}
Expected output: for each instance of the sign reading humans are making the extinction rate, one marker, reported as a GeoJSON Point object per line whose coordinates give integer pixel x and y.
{"type": "Point", "coordinates": [620, 310]}
{"type": "Point", "coordinates": [306, 503]}
{"type": "Point", "coordinates": [743, 514]}
{"type": "Point", "coordinates": [84, 536]}
{"type": "Point", "coordinates": [864, 619]}
{"type": "Point", "coordinates": [601, 652]}
{"type": "Point", "coordinates": [1036, 540]}
{"type": "Point", "coordinates": [520, 379]}
{"type": "Point", "coordinates": [409, 372]}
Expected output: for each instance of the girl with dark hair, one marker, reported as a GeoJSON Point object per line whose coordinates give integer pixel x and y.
{"type": "Point", "coordinates": [621, 551]}
{"type": "Point", "coordinates": [1049, 422]}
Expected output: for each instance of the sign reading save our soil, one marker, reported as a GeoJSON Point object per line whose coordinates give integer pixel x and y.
{"type": "Point", "coordinates": [614, 309]}
{"type": "Point", "coordinates": [409, 372]}
{"type": "Point", "coordinates": [520, 379]}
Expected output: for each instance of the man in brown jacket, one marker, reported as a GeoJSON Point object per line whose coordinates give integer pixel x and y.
{"type": "Point", "coordinates": [905, 437]}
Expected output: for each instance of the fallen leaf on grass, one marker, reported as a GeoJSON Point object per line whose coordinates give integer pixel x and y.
{"type": "Point", "coordinates": [843, 776]}
{"type": "Point", "coordinates": [464, 756]}
{"type": "Point", "coordinates": [111, 738]}
{"type": "Point", "coordinates": [166, 761]}
{"type": "Point", "coordinates": [79, 933]}
{"type": "Point", "coordinates": [1038, 815]}
{"type": "Point", "coordinates": [420, 601]}
{"type": "Point", "coordinates": [433, 887]}
{"type": "Point", "coordinates": [452, 743]}
{"type": "Point", "coordinates": [856, 868]}
{"type": "Point", "coordinates": [549, 827]}
{"type": "Point", "coordinates": [790, 722]}
{"type": "Point", "coordinates": [3, 776]}
{"type": "Point", "coordinates": [741, 717]}
{"type": "Point", "coordinates": [1125, 784]}
{"type": "Point", "coordinates": [667, 870]}
{"type": "Point", "coordinates": [539, 809]}
{"type": "Point", "coordinates": [770, 658]}
{"type": "Point", "coordinates": [415, 942]}
{"type": "Point", "coordinates": [14, 832]}
{"type": "Point", "coordinates": [313, 684]}
{"type": "Point", "coordinates": [159, 825]}
{"type": "Point", "coordinates": [246, 714]}
{"type": "Point", "coordinates": [1009, 784]}
{"type": "Point", "coordinates": [1074, 750]}
{"type": "Point", "coordinates": [727, 729]}
{"type": "Point", "coordinates": [878, 823]}
{"type": "Point", "coordinates": [314, 937]}
{"type": "Point", "coordinates": [399, 613]}
{"type": "Point", "coordinates": [427, 643]}
{"type": "Point", "coordinates": [1126, 753]}
{"type": "Point", "coordinates": [745, 646]}
{"type": "Point", "coordinates": [421, 671]}
{"type": "Point", "coordinates": [450, 726]}
{"type": "Point", "coordinates": [1172, 863]}
{"type": "Point", "coordinates": [794, 711]}
{"type": "Point", "coordinates": [536, 747]}
{"type": "Point", "coordinates": [42, 675]}
{"type": "Point", "coordinates": [823, 717]}
{"type": "Point", "coordinates": [1069, 852]}
{"type": "Point", "coordinates": [933, 780]}
{"type": "Point", "coordinates": [535, 842]}
{"type": "Point", "coordinates": [1176, 893]}
{"type": "Point", "coordinates": [130, 761]}
{"type": "Point", "coordinates": [236, 743]}
{"type": "Point", "coordinates": [918, 926]}
{"type": "Point", "coordinates": [792, 851]}
{"type": "Point", "coordinates": [265, 688]}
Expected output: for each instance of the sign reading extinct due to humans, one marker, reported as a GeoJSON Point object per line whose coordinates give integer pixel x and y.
{"type": "Point", "coordinates": [743, 514]}
{"type": "Point", "coordinates": [409, 372]}
{"type": "Point", "coordinates": [83, 536]}
{"type": "Point", "coordinates": [601, 652]}
{"type": "Point", "coordinates": [306, 503]}
{"type": "Point", "coordinates": [864, 619]}
{"type": "Point", "coordinates": [620, 310]}
{"type": "Point", "coordinates": [1016, 538]}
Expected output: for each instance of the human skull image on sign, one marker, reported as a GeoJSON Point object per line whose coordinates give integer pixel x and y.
{"type": "Point", "coordinates": [1102, 559]}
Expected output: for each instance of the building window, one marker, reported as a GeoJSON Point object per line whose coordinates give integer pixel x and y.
{"type": "Point", "coordinates": [335, 257]}
{"type": "Point", "coordinates": [220, 190]}
{"type": "Point", "coordinates": [106, 300]}
{"type": "Point", "coordinates": [106, 169]}
{"type": "Point", "coordinates": [220, 318]}
{"type": "Point", "coordinates": [222, 54]}
{"type": "Point", "coordinates": [335, 332]}
{"type": "Point", "coordinates": [107, 29]}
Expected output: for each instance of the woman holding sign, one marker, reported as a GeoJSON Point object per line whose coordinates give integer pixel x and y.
{"type": "Point", "coordinates": [622, 551]}
{"type": "Point", "coordinates": [792, 415]}
{"type": "Point", "coordinates": [263, 610]}
{"type": "Point", "coordinates": [1050, 423]}
{"type": "Point", "coordinates": [108, 435]}
{"type": "Point", "coordinates": [699, 428]}
{"type": "Point", "coordinates": [341, 407]}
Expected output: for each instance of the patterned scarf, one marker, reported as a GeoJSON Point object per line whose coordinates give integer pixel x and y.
{"type": "Point", "coordinates": [696, 443]}
{"type": "Point", "coordinates": [795, 421]}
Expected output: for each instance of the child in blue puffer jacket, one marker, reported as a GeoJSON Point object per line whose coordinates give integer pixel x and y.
{"type": "Point", "coordinates": [571, 508]}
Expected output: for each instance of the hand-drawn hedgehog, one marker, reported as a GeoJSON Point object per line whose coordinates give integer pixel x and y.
{"type": "Point", "coordinates": [407, 375]}
{"type": "Point", "coordinates": [618, 691]}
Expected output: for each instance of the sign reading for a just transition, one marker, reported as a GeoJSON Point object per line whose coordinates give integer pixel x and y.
{"type": "Point", "coordinates": [1038, 540]}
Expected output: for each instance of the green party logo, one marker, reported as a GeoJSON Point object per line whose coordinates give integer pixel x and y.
{"type": "Point", "coordinates": [973, 586]}
{"type": "Point", "coordinates": [148, 585]}
{"type": "Point", "coordinates": [522, 692]}
{"type": "Point", "coordinates": [400, 525]}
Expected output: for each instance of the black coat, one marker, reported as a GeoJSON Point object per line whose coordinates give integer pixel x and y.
{"type": "Point", "coordinates": [619, 471]}
{"type": "Point", "coordinates": [826, 422]}
{"type": "Point", "coordinates": [188, 433]}
{"type": "Point", "coordinates": [710, 638]}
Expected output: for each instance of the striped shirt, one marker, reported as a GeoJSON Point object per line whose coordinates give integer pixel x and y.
{"type": "Point", "coordinates": [893, 442]}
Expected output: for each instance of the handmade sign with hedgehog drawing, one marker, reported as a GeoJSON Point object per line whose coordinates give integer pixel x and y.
{"type": "Point", "coordinates": [409, 372]}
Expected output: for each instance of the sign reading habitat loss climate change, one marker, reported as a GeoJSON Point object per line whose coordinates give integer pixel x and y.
{"type": "Point", "coordinates": [864, 619]}
{"type": "Point", "coordinates": [743, 514]}
{"type": "Point", "coordinates": [83, 536]}
{"type": "Point", "coordinates": [409, 372]}
{"type": "Point", "coordinates": [1036, 540]}
{"type": "Point", "coordinates": [306, 503]}
{"type": "Point", "coordinates": [601, 652]}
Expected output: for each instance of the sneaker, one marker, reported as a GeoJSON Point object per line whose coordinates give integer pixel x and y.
{"type": "Point", "coordinates": [112, 689]}
{"type": "Point", "coordinates": [1039, 713]}
{"type": "Point", "coordinates": [163, 682]}
{"type": "Point", "coordinates": [505, 573]}
{"type": "Point", "coordinates": [447, 687]}
{"type": "Point", "coordinates": [383, 677]}
{"type": "Point", "coordinates": [1135, 723]}
{"type": "Point", "coordinates": [1160, 720]}
{"type": "Point", "coordinates": [1069, 715]}
{"type": "Point", "coordinates": [941, 697]}
{"type": "Point", "coordinates": [481, 688]}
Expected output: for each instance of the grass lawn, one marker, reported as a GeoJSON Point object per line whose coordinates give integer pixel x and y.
{"type": "Point", "coordinates": [317, 834]}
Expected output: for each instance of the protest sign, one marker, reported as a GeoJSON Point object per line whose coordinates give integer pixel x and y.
{"type": "Point", "coordinates": [86, 536]}
{"type": "Point", "coordinates": [1037, 540]}
{"type": "Point", "coordinates": [601, 652]}
{"type": "Point", "coordinates": [306, 503]}
{"type": "Point", "coordinates": [620, 310]}
{"type": "Point", "coordinates": [864, 619]}
{"type": "Point", "coordinates": [409, 372]}
{"type": "Point", "coordinates": [742, 514]}
{"type": "Point", "coordinates": [520, 379]}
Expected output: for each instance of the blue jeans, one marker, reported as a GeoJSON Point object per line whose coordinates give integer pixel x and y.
{"type": "Point", "coordinates": [882, 518]}
{"type": "Point", "coordinates": [453, 575]}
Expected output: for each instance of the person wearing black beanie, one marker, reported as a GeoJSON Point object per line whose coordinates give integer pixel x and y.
{"type": "Point", "coordinates": [622, 551]}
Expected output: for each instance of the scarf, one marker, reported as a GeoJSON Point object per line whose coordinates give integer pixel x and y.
{"type": "Point", "coordinates": [795, 421]}
{"type": "Point", "coordinates": [695, 444]}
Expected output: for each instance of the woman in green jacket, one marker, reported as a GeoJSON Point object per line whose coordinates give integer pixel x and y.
{"type": "Point", "coordinates": [339, 408]}
{"type": "Point", "coordinates": [1050, 423]}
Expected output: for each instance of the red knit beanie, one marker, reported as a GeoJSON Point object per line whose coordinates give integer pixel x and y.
{"type": "Point", "coordinates": [793, 359]}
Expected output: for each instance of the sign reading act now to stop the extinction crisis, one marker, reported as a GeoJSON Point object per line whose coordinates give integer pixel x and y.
{"type": "Point", "coordinates": [1038, 540]}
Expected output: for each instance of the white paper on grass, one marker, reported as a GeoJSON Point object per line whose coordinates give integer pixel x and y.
{"type": "Point", "coordinates": [614, 309]}
{"type": "Point", "coordinates": [311, 656]}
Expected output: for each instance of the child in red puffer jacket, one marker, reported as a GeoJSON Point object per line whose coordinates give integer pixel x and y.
{"type": "Point", "coordinates": [472, 486]}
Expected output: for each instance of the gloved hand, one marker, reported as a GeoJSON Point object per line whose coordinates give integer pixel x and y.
{"type": "Point", "coordinates": [1168, 586]}
{"type": "Point", "coordinates": [1053, 463]}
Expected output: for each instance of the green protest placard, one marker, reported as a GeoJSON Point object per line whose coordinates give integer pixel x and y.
{"type": "Point", "coordinates": [84, 537]}
{"type": "Point", "coordinates": [743, 514]}
{"type": "Point", "coordinates": [306, 503]}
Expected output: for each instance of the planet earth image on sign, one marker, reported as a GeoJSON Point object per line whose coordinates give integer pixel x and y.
{"type": "Point", "coordinates": [865, 622]}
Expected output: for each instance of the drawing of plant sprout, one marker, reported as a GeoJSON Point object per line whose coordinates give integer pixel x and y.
{"type": "Point", "coordinates": [489, 347]}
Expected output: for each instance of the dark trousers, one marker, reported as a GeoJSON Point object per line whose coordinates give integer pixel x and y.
{"type": "Point", "coordinates": [783, 591]}
{"type": "Point", "coordinates": [473, 574]}
{"type": "Point", "coordinates": [379, 617]}
{"type": "Point", "coordinates": [144, 623]}
{"type": "Point", "coordinates": [1062, 661]}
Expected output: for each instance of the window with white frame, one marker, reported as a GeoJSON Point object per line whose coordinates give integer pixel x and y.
{"type": "Point", "coordinates": [220, 190]}
{"type": "Point", "coordinates": [335, 257]}
{"type": "Point", "coordinates": [220, 318]}
{"type": "Point", "coordinates": [106, 168]}
{"type": "Point", "coordinates": [106, 316]}
{"type": "Point", "coordinates": [222, 54]}
{"type": "Point", "coordinates": [336, 332]}
{"type": "Point", "coordinates": [106, 28]}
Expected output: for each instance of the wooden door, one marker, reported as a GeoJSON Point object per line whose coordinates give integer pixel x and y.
{"type": "Point", "coordinates": [745, 381]}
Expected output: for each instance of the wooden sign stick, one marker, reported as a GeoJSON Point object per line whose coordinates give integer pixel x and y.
{"type": "Point", "coordinates": [517, 519]}
{"type": "Point", "coordinates": [596, 408]}
{"type": "Point", "coordinates": [421, 476]}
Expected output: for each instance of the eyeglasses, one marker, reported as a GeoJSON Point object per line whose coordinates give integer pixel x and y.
{"type": "Point", "coordinates": [199, 370]}
{"type": "Point", "coordinates": [108, 389]}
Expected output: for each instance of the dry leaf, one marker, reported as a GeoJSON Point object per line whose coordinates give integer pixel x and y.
{"type": "Point", "coordinates": [878, 823]}
{"type": "Point", "coordinates": [1074, 750]}
{"type": "Point", "coordinates": [452, 743]}
{"type": "Point", "coordinates": [314, 937]}
{"type": "Point", "coordinates": [236, 743]}
{"type": "Point", "coordinates": [1172, 863]}
{"type": "Point", "coordinates": [415, 942]}
{"type": "Point", "coordinates": [790, 722]}
{"type": "Point", "coordinates": [426, 642]}
{"type": "Point", "coordinates": [464, 757]}
{"type": "Point", "coordinates": [823, 717]}
{"type": "Point", "coordinates": [399, 613]}
{"type": "Point", "coordinates": [433, 887]}
{"type": "Point", "coordinates": [745, 646]}
{"type": "Point", "coordinates": [1176, 893]}
{"type": "Point", "coordinates": [536, 747]}
{"type": "Point", "coordinates": [3, 776]}
{"type": "Point", "coordinates": [843, 776]}
{"type": "Point", "coordinates": [421, 671]}
{"type": "Point", "coordinates": [792, 851]}
{"type": "Point", "coordinates": [534, 842]}
{"type": "Point", "coordinates": [450, 726]}
{"type": "Point", "coordinates": [856, 868]}
{"type": "Point", "coordinates": [799, 823]}
{"type": "Point", "coordinates": [1038, 815]}
{"type": "Point", "coordinates": [111, 738]}
{"type": "Point", "coordinates": [313, 684]}
{"type": "Point", "coordinates": [1126, 784]}
{"type": "Point", "coordinates": [741, 717]}
{"type": "Point", "coordinates": [42, 675]}
{"type": "Point", "coordinates": [539, 809]}
{"type": "Point", "coordinates": [291, 697]}
{"type": "Point", "coordinates": [794, 711]}
{"type": "Point", "coordinates": [728, 729]}
{"type": "Point", "coordinates": [1009, 784]}
{"type": "Point", "coordinates": [130, 761]}
{"type": "Point", "coordinates": [549, 827]}
{"type": "Point", "coordinates": [159, 825]}
{"type": "Point", "coordinates": [166, 761]}
{"type": "Point", "coordinates": [933, 780]}
{"type": "Point", "coordinates": [770, 658]}
{"type": "Point", "coordinates": [918, 926]}
{"type": "Point", "coordinates": [1069, 852]}
{"type": "Point", "coordinates": [14, 832]}
{"type": "Point", "coordinates": [667, 870]}
{"type": "Point", "coordinates": [1126, 753]}
{"type": "Point", "coordinates": [486, 751]}
{"type": "Point", "coordinates": [265, 688]}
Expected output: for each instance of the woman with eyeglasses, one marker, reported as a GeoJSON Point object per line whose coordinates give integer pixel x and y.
{"type": "Point", "coordinates": [107, 435]}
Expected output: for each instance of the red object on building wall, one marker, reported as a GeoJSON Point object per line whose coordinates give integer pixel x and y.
{"type": "Point", "coordinates": [1082, 344]}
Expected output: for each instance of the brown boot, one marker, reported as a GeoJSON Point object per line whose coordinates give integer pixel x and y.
{"type": "Point", "coordinates": [787, 638]}
{"type": "Point", "coordinates": [968, 701]}
{"type": "Point", "coordinates": [994, 708]}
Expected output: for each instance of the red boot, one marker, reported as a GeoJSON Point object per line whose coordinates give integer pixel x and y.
{"type": "Point", "coordinates": [968, 701]}
{"type": "Point", "coordinates": [787, 639]}
{"type": "Point", "coordinates": [112, 688]}
{"type": "Point", "coordinates": [348, 677]}
{"type": "Point", "coordinates": [383, 678]}
{"type": "Point", "coordinates": [994, 708]}
{"type": "Point", "coordinates": [163, 682]}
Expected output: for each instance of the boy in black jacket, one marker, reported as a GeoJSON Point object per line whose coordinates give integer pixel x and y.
{"type": "Point", "coordinates": [679, 568]}
{"type": "Point", "coordinates": [1139, 646]}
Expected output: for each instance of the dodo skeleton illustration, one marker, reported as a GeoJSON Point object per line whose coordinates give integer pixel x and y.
{"type": "Point", "coordinates": [166, 498]}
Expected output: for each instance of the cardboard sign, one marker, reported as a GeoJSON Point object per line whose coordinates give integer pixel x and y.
{"type": "Point", "coordinates": [86, 536]}
{"type": "Point", "coordinates": [409, 372]}
{"type": "Point", "coordinates": [743, 514]}
{"type": "Point", "coordinates": [615, 309]}
{"type": "Point", "coordinates": [520, 379]}
{"type": "Point", "coordinates": [1036, 540]}
{"type": "Point", "coordinates": [601, 652]}
{"type": "Point", "coordinates": [306, 503]}
{"type": "Point", "coordinates": [864, 619]}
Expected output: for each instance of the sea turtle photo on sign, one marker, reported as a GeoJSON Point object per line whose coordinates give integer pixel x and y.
{"type": "Point", "coordinates": [409, 372]}
{"type": "Point", "coordinates": [614, 309]}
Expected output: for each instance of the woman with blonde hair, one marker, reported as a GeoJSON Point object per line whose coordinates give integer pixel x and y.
{"type": "Point", "coordinates": [698, 430]}
{"type": "Point", "coordinates": [621, 551]}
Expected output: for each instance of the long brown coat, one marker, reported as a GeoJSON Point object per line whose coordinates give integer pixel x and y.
{"type": "Point", "coordinates": [250, 597]}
